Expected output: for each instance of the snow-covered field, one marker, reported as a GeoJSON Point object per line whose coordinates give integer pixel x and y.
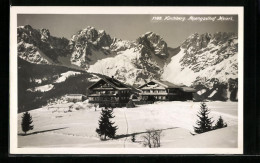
{"type": "Point", "coordinates": [59, 126]}
{"type": "Point", "coordinates": [65, 75]}
{"type": "Point", "coordinates": [43, 88]}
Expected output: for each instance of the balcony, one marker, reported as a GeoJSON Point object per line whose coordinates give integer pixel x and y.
{"type": "Point", "coordinates": [157, 94]}
{"type": "Point", "coordinates": [102, 95]}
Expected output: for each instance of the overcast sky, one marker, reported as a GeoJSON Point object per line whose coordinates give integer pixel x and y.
{"type": "Point", "coordinates": [129, 27]}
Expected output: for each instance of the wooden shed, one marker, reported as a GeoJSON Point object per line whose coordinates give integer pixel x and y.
{"type": "Point", "coordinates": [75, 97]}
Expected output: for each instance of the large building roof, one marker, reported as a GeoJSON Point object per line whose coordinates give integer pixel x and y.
{"type": "Point", "coordinates": [113, 82]}
{"type": "Point", "coordinates": [164, 84]}
{"type": "Point", "coordinates": [167, 84]}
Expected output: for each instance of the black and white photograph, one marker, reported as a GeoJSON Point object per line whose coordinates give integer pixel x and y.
{"type": "Point", "coordinates": [126, 80]}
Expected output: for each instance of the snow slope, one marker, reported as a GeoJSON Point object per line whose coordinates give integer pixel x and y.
{"type": "Point", "coordinates": [121, 66]}
{"type": "Point", "coordinates": [178, 74]}
{"type": "Point", "coordinates": [55, 126]}
{"type": "Point", "coordinates": [43, 88]}
{"type": "Point", "coordinates": [65, 75]}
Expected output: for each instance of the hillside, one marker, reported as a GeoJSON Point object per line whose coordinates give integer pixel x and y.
{"type": "Point", "coordinates": [40, 84]}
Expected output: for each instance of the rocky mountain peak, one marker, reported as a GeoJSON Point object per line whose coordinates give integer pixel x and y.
{"type": "Point", "coordinates": [197, 41]}
{"type": "Point", "coordinates": [91, 35]}
{"type": "Point", "coordinates": [38, 46]}
{"type": "Point", "coordinates": [154, 43]}
{"type": "Point", "coordinates": [27, 27]}
{"type": "Point", "coordinates": [222, 37]}
{"type": "Point", "coordinates": [45, 34]}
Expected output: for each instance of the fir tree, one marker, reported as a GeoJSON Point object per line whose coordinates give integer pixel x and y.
{"type": "Point", "coordinates": [106, 127]}
{"type": "Point", "coordinates": [220, 123]}
{"type": "Point", "coordinates": [133, 138]}
{"type": "Point", "coordinates": [26, 122]}
{"type": "Point", "coordinates": [204, 123]}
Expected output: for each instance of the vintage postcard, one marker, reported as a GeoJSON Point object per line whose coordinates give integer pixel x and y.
{"type": "Point", "coordinates": [126, 80]}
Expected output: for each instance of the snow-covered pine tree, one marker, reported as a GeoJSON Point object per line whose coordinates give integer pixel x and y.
{"type": "Point", "coordinates": [106, 127]}
{"type": "Point", "coordinates": [204, 123]}
{"type": "Point", "coordinates": [133, 138]}
{"type": "Point", "coordinates": [26, 122]}
{"type": "Point", "coordinates": [220, 123]}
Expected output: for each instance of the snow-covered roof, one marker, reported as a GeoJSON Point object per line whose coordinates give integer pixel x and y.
{"type": "Point", "coordinates": [164, 84]}
{"type": "Point", "coordinates": [113, 82]}
{"type": "Point", "coordinates": [75, 95]}
{"type": "Point", "coordinates": [167, 84]}
{"type": "Point", "coordinates": [158, 94]}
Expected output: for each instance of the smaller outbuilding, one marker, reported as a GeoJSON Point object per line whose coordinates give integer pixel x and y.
{"type": "Point", "coordinates": [75, 97]}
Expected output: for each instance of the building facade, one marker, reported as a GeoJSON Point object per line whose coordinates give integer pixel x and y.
{"type": "Point", "coordinates": [109, 92]}
{"type": "Point", "coordinates": [165, 91]}
{"type": "Point", "coordinates": [75, 97]}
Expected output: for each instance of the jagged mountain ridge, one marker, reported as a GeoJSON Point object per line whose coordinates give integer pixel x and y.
{"type": "Point", "coordinates": [209, 61]}
{"type": "Point", "coordinates": [38, 46]}
{"type": "Point", "coordinates": [90, 47]}
{"type": "Point", "coordinates": [204, 59]}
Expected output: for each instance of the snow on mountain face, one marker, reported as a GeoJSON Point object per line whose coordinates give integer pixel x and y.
{"type": "Point", "coordinates": [208, 60]}
{"type": "Point", "coordinates": [136, 61]}
{"type": "Point", "coordinates": [121, 45]}
{"type": "Point", "coordinates": [123, 67]}
{"type": "Point", "coordinates": [31, 53]}
{"type": "Point", "coordinates": [38, 46]}
{"type": "Point", "coordinates": [204, 56]}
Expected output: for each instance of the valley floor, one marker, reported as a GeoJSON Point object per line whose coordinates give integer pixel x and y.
{"type": "Point", "coordinates": [56, 127]}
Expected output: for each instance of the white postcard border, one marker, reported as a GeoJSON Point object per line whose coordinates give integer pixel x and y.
{"type": "Point", "coordinates": [120, 10]}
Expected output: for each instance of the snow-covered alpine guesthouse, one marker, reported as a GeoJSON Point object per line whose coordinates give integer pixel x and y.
{"type": "Point", "coordinates": [165, 91]}
{"type": "Point", "coordinates": [111, 92]}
